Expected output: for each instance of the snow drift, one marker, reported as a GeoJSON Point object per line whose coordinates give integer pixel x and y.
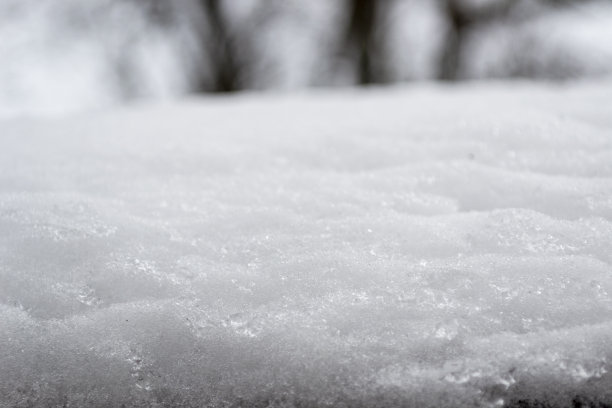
{"type": "Point", "coordinates": [415, 247]}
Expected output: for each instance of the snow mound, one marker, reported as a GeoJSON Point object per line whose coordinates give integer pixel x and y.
{"type": "Point", "coordinates": [420, 247]}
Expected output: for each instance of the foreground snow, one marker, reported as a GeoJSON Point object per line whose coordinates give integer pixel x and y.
{"type": "Point", "coordinates": [419, 247]}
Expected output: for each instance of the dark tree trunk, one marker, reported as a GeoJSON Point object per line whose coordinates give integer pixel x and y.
{"type": "Point", "coordinates": [362, 41]}
{"type": "Point", "coordinates": [461, 19]}
{"type": "Point", "coordinates": [458, 23]}
{"type": "Point", "coordinates": [221, 47]}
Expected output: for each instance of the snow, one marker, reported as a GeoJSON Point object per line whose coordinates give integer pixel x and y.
{"type": "Point", "coordinates": [417, 246]}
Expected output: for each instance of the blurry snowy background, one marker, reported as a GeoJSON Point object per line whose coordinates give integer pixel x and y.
{"type": "Point", "coordinates": [61, 56]}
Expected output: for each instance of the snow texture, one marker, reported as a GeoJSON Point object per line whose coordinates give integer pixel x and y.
{"type": "Point", "coordinates": [419, 247]}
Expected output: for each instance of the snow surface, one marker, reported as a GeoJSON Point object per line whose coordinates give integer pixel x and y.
{"type": "Point", "coordinates": [420, 246]}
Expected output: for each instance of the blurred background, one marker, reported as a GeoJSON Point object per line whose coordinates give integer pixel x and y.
{"type": "Point", "coordinates": [59, 56]}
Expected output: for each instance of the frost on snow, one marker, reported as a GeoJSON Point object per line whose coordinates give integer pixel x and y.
{"type": "Point", "coordinates": [415, 247]}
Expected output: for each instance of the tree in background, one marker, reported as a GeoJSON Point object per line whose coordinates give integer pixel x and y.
{"type": "Point", "coordinates": [230, 56]}
{"type": "Point", "coordinates": [462, 17]}
{"type": "Point", "coordinates": [364, 40]}
{"type": "Point", "coordinates": [219, 57]}
{"type": "Point", "coordinates": [230, 48]}
{"type": "Point", "coordinates": [226, 52]}
{"type": "Point", "coordinates": [231, 52]}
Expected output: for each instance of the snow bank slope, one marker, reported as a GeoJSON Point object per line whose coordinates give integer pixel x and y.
{"type": "Point", "coordinates": [419, 247]}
